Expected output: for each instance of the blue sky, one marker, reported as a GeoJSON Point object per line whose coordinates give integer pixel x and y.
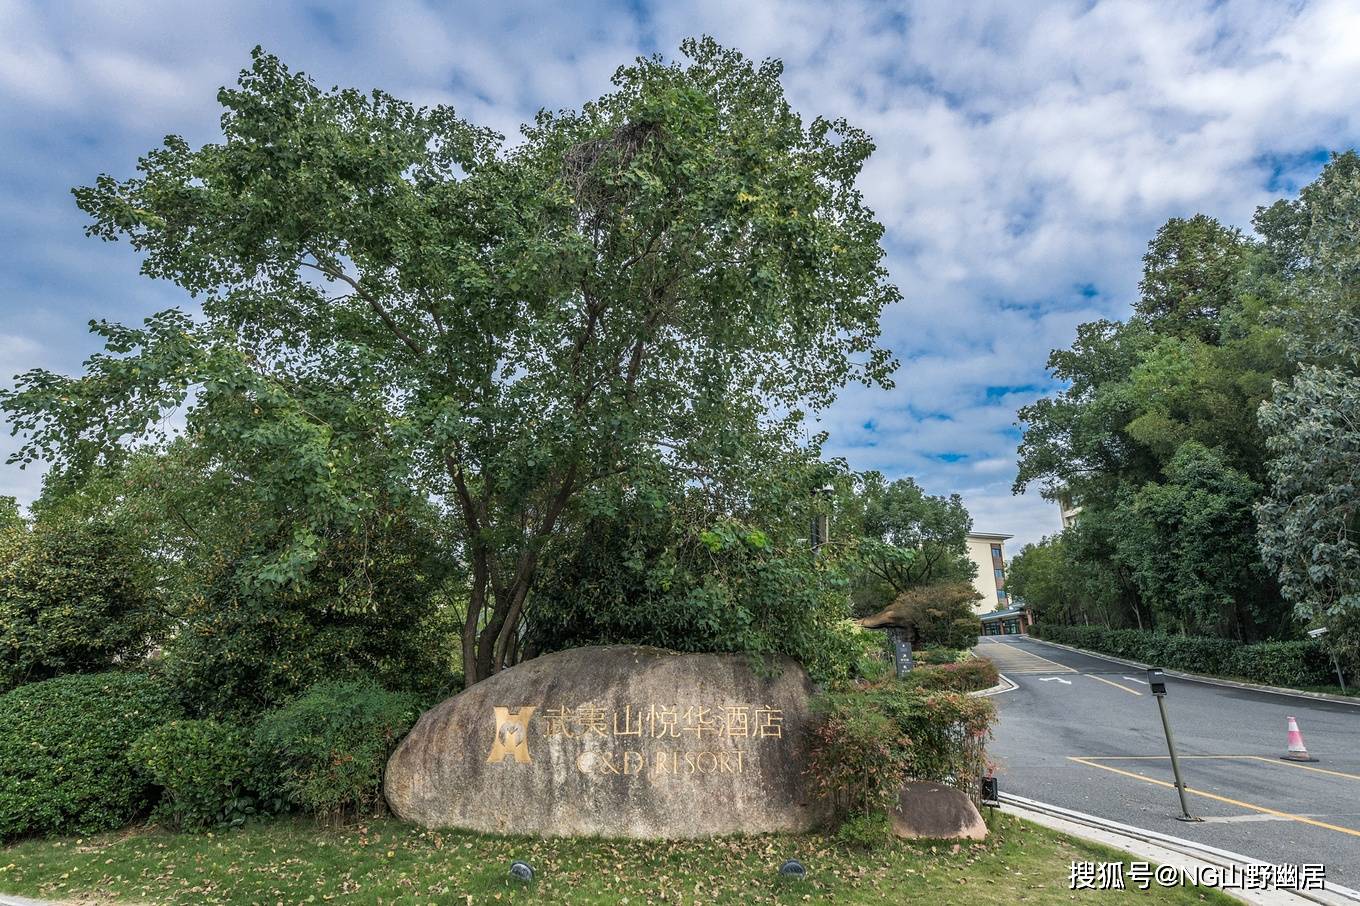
{"type": "Point", "coordinates": [1026, 153]}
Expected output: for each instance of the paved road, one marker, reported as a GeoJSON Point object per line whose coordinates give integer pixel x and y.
{"type": "Point", "coordinates": [1083, 732]}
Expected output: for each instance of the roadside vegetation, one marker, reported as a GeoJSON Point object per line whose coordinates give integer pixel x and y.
{"type": "Point", "coordinates": [1305, 665]}
{"type": "Point", "coordinates": [1211, 444]}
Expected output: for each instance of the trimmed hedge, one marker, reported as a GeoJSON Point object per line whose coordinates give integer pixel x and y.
{"type": "Point", "coordinates": [64, 752]}
{"type": "Point", "coordinates": [1291, 664]}
{"type": "Point", "coordinates": [203, 770]}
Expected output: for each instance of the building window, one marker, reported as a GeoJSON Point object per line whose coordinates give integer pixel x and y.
{"type": "Point", "coordinates": [1000, 574]}
{"type": "Point", "coordinates": [1001, 595]}
{"type": "Point", "coordinates": [996, 550]}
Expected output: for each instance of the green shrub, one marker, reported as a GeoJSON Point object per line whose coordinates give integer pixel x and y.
{"type": "Point", "coordinates": [876, 736]}
{"type": "Point", "coordinates": [866, 832]}
{"type": "Point", "coordinates": [949, 732]}
{"type": "Point", "coordinates": [1298, 663]}
{"type": "Point", "coordinates": [77, 595]}
{"type": "Point", "coordinates": [858, 754]}
{"type": "Point", "coordinates": [938, 655]}
{"type": "Point", "coordinates": [971, 675]}
{"type": "Point", "coordinates": [324, 752]}
{"type": "Point", "coordinates": [244, 649]}
{"type": "Point", "coordinates": [962, 632]}
{"type": "Point", "coordinates": [64, 765]}
{"type": "Point", "coordinates": [203, 770]}
{"type": "Point", "coordinates": [728, 587]}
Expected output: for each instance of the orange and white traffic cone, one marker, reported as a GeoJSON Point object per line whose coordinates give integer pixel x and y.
{"type": "Point", "coordinates": [1297, 750]}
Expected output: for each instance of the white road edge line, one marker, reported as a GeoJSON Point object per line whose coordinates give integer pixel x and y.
{"type": "Point", "coordinates": [1006, 685]}
{"type": "Point", "coordinates": [1333, 895]}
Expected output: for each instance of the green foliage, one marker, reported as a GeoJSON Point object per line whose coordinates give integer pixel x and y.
{"type": "Point", "coordinates": [1180, 652]}
{"type": "Point", "coordinates": [873, 655]}
{"type": "Point", "coordinates": [203, 769]}
{"type": "Point", "coordinates": [906, 538]}
{"type": "Point", "coordinates": [1190, 274]}
{"type": "Point", "coordinates": [1310, 521]}
{"type": "Point", "coordinates": [1186, 543]}
{"type": "Point", "coordinates": [397, 305]}
{"type": "Point", "coordinates": [374, 605]}
{"type": "Point", "coordinates": [1156, 438]}
{"type": "Point", "coordinates": [876, 736]}
{"type": "Point", "coordinates": [1342, 639]}
{"type": "Point", "coordinates": [859, 753]}
{"type": "Point", "coordinates": [64, 765]}
{"type": "Point", "coordinates": [654, 564]}
{"type": "Point", "coordinates": [324, 752]}
{"type": "Point", "coordinates": [77, 594]}
{"type": "Point", "coordinates": [933, 655]}
{"type": "Point", "coordinates": [10, 518]}
{"type": "Point", "coordinates": [1037, 576]}
{"type": "Point", "coordinates": [1292, 664]}
{"type": "Point", "coordinates": [866, 832]}
{"type": "Point", "coordinates": [949, 733]}
{"type": "Point", "coordinates": [725, 590]}
{"type": "Point", "coordinates": [1223, 408]}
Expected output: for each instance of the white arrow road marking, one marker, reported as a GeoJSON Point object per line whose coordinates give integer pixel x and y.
{"type": "Point", "coordinates": [1065, 682]}
{"type": "Point", "coordinates": [1133, 679]}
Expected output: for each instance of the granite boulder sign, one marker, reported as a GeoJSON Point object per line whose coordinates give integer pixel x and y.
{"type": "Point", "coordinates": [619, 741]}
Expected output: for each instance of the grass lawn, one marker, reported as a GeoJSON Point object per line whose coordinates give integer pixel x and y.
{"type": "Point", "coordinates": [295, 861]}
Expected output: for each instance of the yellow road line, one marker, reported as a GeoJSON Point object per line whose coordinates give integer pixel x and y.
{"type": "Point", "coordinates": [1247, 805]}
{"type": "Point", "coordinates": [1302, 767]}
{"type": "Point", "coordinates": [1113, 683]}
{"type": "Point", "coordinates": [1275, 761]}
{"type": "Point", "coordinates": [1060, 667]}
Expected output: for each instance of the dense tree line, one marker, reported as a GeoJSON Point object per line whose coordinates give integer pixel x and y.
{"type": "Point", "coordinates": [1211, 439]}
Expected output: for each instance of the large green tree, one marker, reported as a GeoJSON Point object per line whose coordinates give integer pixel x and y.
{"type": "Point", "coordinates": [903, 538]}
{"type": "Point", "coordinates": [666, 278]}
{"type": "Point", "coordinates": [1310, 521]}
{"type": "Point", "coordinates": [1156, 436]}
{"type": "Point", "coordinates": [1186, 542]}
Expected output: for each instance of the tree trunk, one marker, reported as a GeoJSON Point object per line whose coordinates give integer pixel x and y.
{"type": "Point", "coordinates": [476, 604]}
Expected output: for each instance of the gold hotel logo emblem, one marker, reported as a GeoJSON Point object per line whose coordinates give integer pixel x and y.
{"type": "Point", "coordinates": [512, 735]}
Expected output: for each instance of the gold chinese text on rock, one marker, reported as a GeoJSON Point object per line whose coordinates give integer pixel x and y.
{"type": "Point", "coordinates": [652, 726]}
{"type": "Point", "coordinates": [512, 735]}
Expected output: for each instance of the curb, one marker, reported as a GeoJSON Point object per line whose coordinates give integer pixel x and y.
{"type": "Point", "coordinates": [1006, 685]}
{"type": "Point", "coordinates": [1168, 850]}
{"type": "Point", "coordinates": [1211, 680]}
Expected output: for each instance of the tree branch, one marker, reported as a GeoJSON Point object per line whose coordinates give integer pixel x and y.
{"type": "Point", "coordinates": [372, 303]}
